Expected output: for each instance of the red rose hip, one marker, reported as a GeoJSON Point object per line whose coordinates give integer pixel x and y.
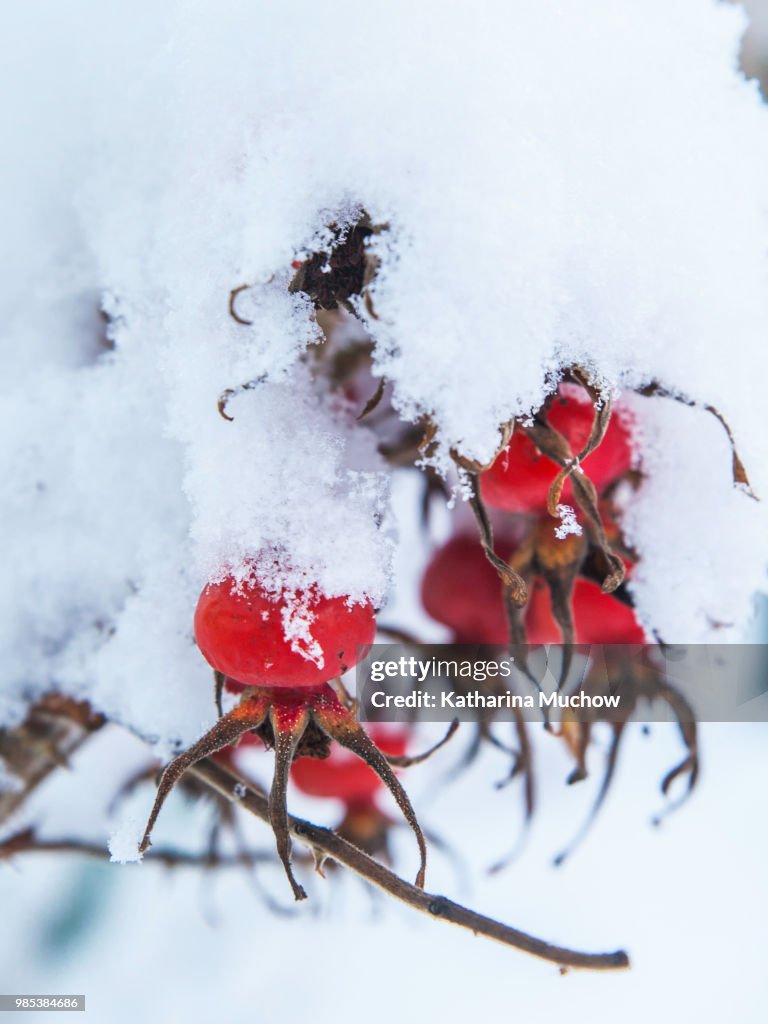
{"type": "Point", "coordinates": [281, 650]}
{"type": "Point", "coordinates": [261, 639]}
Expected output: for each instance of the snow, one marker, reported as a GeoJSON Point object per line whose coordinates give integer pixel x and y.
{"type": "Point", "coordinates": [569, 524]}
{"type": "Point", "coordinates": [557, 189]}
{"type": "Point", "coordinates": [123, 843]}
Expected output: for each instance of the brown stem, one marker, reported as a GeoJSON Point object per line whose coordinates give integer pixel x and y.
{"type": "Point", "coordinates": [54, 729]}
{"type": "Point", "coordinates": [27, 842]}
{"type": "Point", "coordinates": [332, 845]}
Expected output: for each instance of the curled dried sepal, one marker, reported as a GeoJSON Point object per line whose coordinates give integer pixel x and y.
{"type": "Point", "coordinates": [472, 465]}
{"type": "Point", "coordinates": [404, 761]}
{"type": "Point", "coordinates": [686, 722]}
{"type": "Point", "coordinates": [229, 393]}
{"type": "Point", "coordinates": [514, 585]}
{"type": "Point", "coordinates": [602, 406]}
{"type": "Point", "coordinates": [740, 478]}
{"type": "Point", "coordinates": [426, 445]}
{"type": "Point", "coordinates": [554, 445]}
{"type": "Point", "coordinates": [296, 723]}
{"type": "Point", "coordinates": [233, 305]}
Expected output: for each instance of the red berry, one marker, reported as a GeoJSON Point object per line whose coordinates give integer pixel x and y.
{"type": "Point", "coordinates": [598, 618]}
{"type": "Point", "coordinates": [343, 775]}
{"type": "Point", "coordinates": [242, 633]}
{"type": "Point", "coordinates": [462, 590]}
{"type": "Point", "coordinates": [520, 478]}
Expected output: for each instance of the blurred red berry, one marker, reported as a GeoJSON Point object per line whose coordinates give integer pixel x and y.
{"type": "Point", "coordinates": [462, 590]}
{"type": "Point", "coordinates": [343, 775]}
{"type": "Point", "coordinates": [598, 618]}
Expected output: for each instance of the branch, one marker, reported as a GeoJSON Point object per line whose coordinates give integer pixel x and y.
{"type": "Point", "coordinates": [53, 730]}
{"type": "Point", "coordinates": [329, 844]}
{"type": "Point", "coordinates": [27, 841]}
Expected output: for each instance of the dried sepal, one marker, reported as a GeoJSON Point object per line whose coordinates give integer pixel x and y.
{"type": "Point", "coordinates": [352, 704]}
{"type": "Point", "coordinates": [576, 736]}
{"type": "Point", "coordinates": [514, 584]}
{"type": "Point", "coordinates": [219, 680]}
{"type": "Point", "coordinates": [336, 721]}
{"type": "Point", "coordinates": [610, 770]}
{"type": "Point", "coordinates": [689, 766]}
{"type": "Point", "coordinates": [288, 725]}
{"type": "Point", "coordinates": [426, 445]}
{"type": "Point", "coordinates": [247, 715]}
{"type": "Point", "coordinates": [229, 393]}
{"type": "Point", "coordinates": [739, 473]}
{"type": "Point", "coordinates": [602, 418]}
{"type": "Point", "coordinates": [233, 305]}
{"type": "Point", "coordinates": [637, 679]}
{"type": "Point", "coordinates": [522, 765]}
{"type": "Point", "coordinates": [472, 465]}
{"type": "Point", "coordinates": [374, 400]}
{"type": "Point", "coordinates": [554, 445]}
{"type": "Point", "coordinates": [559, 561]}
{"type": "Point", "coordinates": [406, 761]}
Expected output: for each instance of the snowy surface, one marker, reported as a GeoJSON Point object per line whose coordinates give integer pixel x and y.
{"type": "Point", "coordinates": [558, 188]}
{"type": "Point", "coordinates": [124, 842]}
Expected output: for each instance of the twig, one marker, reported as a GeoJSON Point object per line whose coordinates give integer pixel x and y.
{"type": "Point", "coordinates": [27, 842]}
{"type": "Point", "coordinates": [54, 729]}
{"type": "Point", "coordinates": [332, 845]}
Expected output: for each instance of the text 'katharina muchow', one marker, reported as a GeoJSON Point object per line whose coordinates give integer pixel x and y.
{"type": "Point", "coordinates": [478, 671]}
{"type": "Point", "coordinates": [476, 699]}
